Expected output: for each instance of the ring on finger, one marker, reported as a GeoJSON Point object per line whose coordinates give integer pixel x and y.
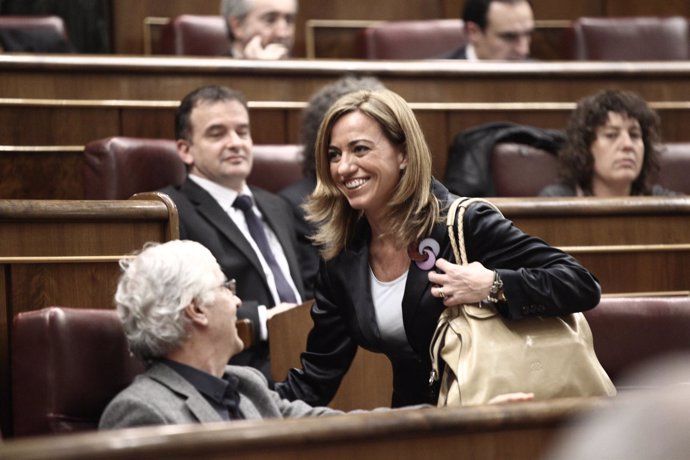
{"type": "Point", "coordinates": [441, 294]}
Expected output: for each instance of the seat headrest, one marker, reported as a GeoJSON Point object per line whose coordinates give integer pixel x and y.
{"type": "Point", "coordinates": [67, 364]}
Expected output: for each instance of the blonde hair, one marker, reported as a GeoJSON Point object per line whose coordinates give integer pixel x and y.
{"type": "Point", "coordinates": [411, 211]}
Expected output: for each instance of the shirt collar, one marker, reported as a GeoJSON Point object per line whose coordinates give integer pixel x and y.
{"type": "Point", "coordinates": [223, 195]}
{"type": "Point", "coordinates": [208, 385]}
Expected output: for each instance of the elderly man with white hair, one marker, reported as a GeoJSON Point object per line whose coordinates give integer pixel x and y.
{"type": "Point", "coordinates": [179, 314]}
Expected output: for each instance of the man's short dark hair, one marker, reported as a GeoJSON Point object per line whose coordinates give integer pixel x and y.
{"type": "Point", "coordinates": [183, 127]}
{"type": "Point", "coordinates": [477, 10]}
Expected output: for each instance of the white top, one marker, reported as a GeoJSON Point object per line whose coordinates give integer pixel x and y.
{"type": "Point", "coordinates": [387, 296]}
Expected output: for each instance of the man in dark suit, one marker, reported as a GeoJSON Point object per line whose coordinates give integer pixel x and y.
{"type": "Point", "coordinates": [179, 314]}
{"type": "Point", "coordinates": [496, 30]}
{"type": "Point", "coordinates": [214, 140]}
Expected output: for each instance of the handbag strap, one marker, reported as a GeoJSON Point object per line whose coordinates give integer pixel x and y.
{"type": "Point", "coordinates": [456, 213]}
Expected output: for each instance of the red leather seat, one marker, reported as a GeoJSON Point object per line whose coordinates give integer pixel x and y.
{"type": "Point", "coordinates": [521, 170]}
{"type": "Point", "coordinates": [674, 167]}
{"type": "Point", "coordinates": [276, 166]}
{"type": "Point", "coordinates": [195, 35]}
{"type": "Point", "coordinates": [630, 39]}
{"type": "Point", "coordinates": [115, 168]}
{"type": "Point", "coordinates": [423, 39]}
{"type": "Point", "coordinates": [630, 331]}
{"type": "Point", "coordinates": [67, 364]}
{"type": "Point", "coordinates": [44, 34]}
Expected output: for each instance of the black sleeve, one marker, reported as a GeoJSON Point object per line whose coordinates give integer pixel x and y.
{"type": "Point", "coordinates": [330, 351]}
{"type": "Point", "coordinates": [538, 278]}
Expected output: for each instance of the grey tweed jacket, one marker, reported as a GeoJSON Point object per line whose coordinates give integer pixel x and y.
{"type": "Point", "coordinates": [160, 396]}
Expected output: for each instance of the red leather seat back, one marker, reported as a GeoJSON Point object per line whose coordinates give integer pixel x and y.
{"type": "Point", "coordinates": [422, 39]}
{"type": "Point", "coordinates": [630, 39]}
{"type": "Point", "coordinates": [67, 364]}
{"type": "Point", "coordinates": [521, 170]}
{"type": "Point", "coordinates": [629, 331]}
{"type": "Point", "coordinates": [276, 166]}
{"type": "Point", "coordinates": [674, 167]}
{"type": "Point", "coordinates": [195, 35]}
{"type": "Point", "coordinates": [35, 33]}
{"type": "Point", "coordinates": [116, 168]}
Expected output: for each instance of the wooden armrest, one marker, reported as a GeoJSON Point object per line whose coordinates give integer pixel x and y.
{"type": "Point", "coordinates": [245, 329]}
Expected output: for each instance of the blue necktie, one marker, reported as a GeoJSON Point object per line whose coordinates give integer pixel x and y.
{"type": "Point", "coordinates": [256, 229]}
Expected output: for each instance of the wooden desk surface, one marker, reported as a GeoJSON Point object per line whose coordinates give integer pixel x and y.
{"type": "Point", "coordinates": [522, 430]}
{"type": "Point", "coordinates": [121, 77]}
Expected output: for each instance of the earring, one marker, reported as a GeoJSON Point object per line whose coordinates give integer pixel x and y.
{"type": "Point", "coordinates": [402, 167]}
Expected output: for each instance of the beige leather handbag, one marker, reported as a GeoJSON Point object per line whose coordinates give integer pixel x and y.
{"type": "Point", "coordinates": [484, 355]}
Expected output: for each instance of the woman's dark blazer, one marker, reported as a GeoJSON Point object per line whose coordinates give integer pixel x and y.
{"type": "Point", "coordinates": [538, 280]}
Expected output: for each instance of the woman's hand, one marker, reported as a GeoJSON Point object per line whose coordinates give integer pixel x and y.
{"type": "Point", "coordinates": [458, 284]}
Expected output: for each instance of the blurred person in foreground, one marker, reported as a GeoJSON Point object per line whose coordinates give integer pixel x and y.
{"type": "Point", "coordinates": [649, 422]}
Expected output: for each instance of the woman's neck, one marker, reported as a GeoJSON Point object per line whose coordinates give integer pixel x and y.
{"type": "Point", "coordinates": [388, 257]}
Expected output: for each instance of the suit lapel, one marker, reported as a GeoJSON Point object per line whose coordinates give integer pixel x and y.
{"type": "Point", "coordinates": [415, 308]}
{"type": "Point", "coordinates": [208, 207]}
{"type": "Point", "coordinates": [418, 280]}
{"type": "Point", "coordinates": [194, 401]}
{"type": "Point", "coordinates": [356, 272]}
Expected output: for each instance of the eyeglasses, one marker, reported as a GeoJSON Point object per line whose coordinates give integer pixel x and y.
{"type": "Point", "coordinates": [230, 285]}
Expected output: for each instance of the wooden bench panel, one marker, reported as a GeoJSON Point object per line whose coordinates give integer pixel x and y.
{"type": "Point", "coordinates": [51, 171]}
{"type": "Point", "coordinates": [139, 78]}
{"type": "Point", "coordinates": [368, 382]}
{"type": "Point", "coordinates": [633, 244]}
{"type": "Point", "coordinates": [41, 172]}
{"type": "Point", "coordinates": [65, 252]}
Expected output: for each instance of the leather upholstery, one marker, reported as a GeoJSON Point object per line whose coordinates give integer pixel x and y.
{"type": "Point", "coordinates": [521, 170]}
{"type": "Point", "coordinates": [630, 39]}
{"type": "Point", "coordinates": [276, 166]}
{"type": "Point", "coordinates": [67, 364]}
{"type": "Point", "coordinates": [34, 33]}
{"type": "Point", "coordinates": [115, 168]}
{"type": "Point", "coordinates": [674, 163]}
{"type": "Point", "coordinates": [628, 331]}
{"type": "Point", "coordinates": [422, 39]}
{"type": "Point", "coordinates": [195, 35]}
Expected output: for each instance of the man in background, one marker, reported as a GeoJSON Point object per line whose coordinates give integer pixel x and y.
{"type": "Point", "coordinates": [496, 30]}
{"type": "Point", "coordinates": [250, 231]}
{"type": "Point", "coordinates": [260, 29]}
